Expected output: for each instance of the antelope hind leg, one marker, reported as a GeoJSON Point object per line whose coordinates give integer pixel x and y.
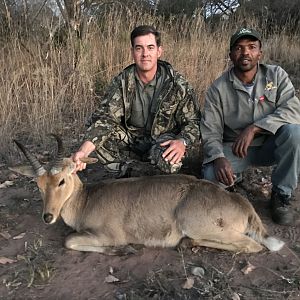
{"type": "Point", "coordinates": [91, 243]}
{"type": "Point", "coordinates": [229, 240]}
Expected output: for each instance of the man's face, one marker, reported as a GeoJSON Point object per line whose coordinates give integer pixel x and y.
{"type": "Point", "coordinates": [245, 54]}
{"type": "Point", "coordinates": [145, 52]}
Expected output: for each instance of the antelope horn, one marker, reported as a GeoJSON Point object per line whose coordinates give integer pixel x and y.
{"type": "Point", "coordinates": [57, 163]}
{"type": "Point", "coordinates": [37, 167]}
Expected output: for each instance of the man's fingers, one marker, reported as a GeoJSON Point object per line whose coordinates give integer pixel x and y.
{"type": "Point", "coordinates": [166, 143]}
{"type": "Point", "coordinates": [241, 151]}
{"type": "Point", "coordinates": [226, 177]}
{"type": "Point", "coordinates": [176, 159]}
{"type": "Point", "coordinates": [174, 152]}
{"type": "Point", "coordinates": [80, 166]}
{"type": "Point", "coordinates": [238, 149]}
{"type": "Point", "coordinates": [221, 177]}
{"type": "Point", "coordinates": [173, 156]}
{"type": "Point", "coordinates": [77, 157]}
{"type": "Point", "coordinates": [166, 153]}
{"type": "Point", "coordinates": [235, 148]}
{"type": "Point", "coordinates": [170, 156]}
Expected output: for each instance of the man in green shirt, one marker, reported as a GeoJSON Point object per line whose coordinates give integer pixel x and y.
{"type": "Point", "coordinates": [251, 117]}
{"type": "Point", "coordinates": [149, 109]}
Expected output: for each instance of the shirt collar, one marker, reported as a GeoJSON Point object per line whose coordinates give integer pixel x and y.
{"type": "Point", "coordinates": [237, 82]}
{"type": "Point", "coordinates": [153, 82]}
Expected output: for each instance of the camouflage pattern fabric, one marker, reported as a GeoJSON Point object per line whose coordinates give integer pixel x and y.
{"type": "Point", "coordinates": [114, 147]}
{"type": "Point", "coordinates": [119, 149]}
{"type": "Point", "coordinates": [155, 155]}
{"type": "Point", "coordinates": [178, 114]}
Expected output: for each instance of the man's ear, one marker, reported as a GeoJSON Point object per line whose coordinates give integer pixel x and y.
{"type": "Point", "coordinates": [261, 54]}
{"type": "Point", "coordinates": [160, 51]}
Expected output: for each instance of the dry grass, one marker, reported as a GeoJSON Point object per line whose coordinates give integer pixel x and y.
{"type": "Point", "coordinates": [35, 267]}
{"type": "Point", "coordinates": [50, 88]}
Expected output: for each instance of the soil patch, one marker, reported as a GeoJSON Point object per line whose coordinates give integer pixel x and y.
{"type": "Point", "coordinates": [39, 267]}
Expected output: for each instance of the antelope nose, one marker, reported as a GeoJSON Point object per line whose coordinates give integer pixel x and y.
{"type": "Point", "coordinates": [48, 218]}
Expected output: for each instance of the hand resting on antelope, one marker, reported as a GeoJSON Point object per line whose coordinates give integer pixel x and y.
{"type": "Point", "coordinates": [157, 211]}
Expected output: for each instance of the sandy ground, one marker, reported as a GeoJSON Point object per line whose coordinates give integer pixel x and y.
{"type": "Point", "coordinates": [35, 265]}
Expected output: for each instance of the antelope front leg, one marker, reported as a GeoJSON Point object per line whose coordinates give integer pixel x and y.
{"type": "Point", "coordinates": [92, 243]}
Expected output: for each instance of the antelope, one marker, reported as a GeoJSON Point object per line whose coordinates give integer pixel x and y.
{"type": "Point", "coordinates": [156, 211]}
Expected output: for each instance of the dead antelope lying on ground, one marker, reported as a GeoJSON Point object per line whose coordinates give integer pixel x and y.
{"type": "Point", "coordinates": [154, 211]}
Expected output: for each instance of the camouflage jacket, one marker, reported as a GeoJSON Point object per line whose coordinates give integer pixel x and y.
{"type": "Point", "coordinates": [177, 113]}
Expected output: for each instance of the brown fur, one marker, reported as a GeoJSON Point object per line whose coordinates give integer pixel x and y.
{"type": "Point", "coordinates": [153, 211]}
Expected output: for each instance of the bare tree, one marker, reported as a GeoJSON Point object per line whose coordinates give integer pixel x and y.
{"type": "Point", "coordinates": [219, 7]}
{"type": "Point", "coordinates": [273, 14]}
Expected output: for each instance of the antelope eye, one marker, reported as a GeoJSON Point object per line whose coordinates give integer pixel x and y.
{"type": "Point", "coordinates": [61, 182]}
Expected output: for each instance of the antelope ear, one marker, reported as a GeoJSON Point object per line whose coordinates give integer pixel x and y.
{"type": "Point", "coordinates": [89, 160]}
{"type": "Point", "coordinates": [71, 167]}
{"type": "Point", "coordinates": [26, 170]}
{"type": "Point", "coordinates": [68, 164]}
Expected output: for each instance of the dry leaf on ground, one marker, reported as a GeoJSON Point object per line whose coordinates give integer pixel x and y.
{"type": "Point", "coordinates": [110, 279]}
{"type": "Point", "coordinates": [189, 283]}
{"type": "Point", "coordinates": [5, 260]}
{"type": "Point", "coordinates": [235, 296]}
{"type": "Point", "coordinates": [5, 234]}
{"type": "Point", "coordinates": [6, 184]}
{"type": "Point", "coordinates": [19, 236]}
{"type": "Point", "coordinates": [198, 271]}
{"type": "Point", "coordinates": [21, 257]}
{"type": "Point", "coordinates": [248, 268]}
{"type": "Point", "coordinates": [196, 249]}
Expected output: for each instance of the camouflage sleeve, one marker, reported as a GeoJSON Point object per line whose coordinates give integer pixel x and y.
{"type": "Point", "coordinates": [108, 114]}
{"type": "Point", "coordinates": [188, 114]}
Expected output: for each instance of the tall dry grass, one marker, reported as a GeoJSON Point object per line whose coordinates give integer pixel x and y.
{"type": "Point", "coordinates": [42, 91]}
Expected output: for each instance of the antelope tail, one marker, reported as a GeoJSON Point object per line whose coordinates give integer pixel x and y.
{"type": "Point", "coordinates": [257, 231]}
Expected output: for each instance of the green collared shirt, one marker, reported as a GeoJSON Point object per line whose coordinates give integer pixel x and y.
{"type": "Point", "coordinates": [144, 105]}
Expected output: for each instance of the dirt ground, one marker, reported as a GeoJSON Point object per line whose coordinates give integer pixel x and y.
{"type": "Point", "coordinates": [35, 265]}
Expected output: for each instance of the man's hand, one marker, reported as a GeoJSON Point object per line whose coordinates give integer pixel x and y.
{"type": "Point", "coordinates": [223, 171]}
{"type": "Point", "coordinates": [84, 151]}
{"type": "Point", "coordinates": [243, 141]}
{"type": "Point", "coordinates": [175, 151]}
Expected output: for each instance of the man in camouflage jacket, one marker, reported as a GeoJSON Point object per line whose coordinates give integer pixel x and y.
{"type": "Point", "coordinates": [149, 109]}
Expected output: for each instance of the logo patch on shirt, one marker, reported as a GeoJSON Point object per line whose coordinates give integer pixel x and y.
{"type": "Point", "coordinates": [270, 86]}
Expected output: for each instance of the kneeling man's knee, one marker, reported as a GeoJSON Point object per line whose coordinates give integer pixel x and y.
{"type": "Point", "coordinates": [290, 134]}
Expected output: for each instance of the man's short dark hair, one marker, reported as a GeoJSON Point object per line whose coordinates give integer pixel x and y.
{"type": "Point", "coordinates": [144, 30]}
